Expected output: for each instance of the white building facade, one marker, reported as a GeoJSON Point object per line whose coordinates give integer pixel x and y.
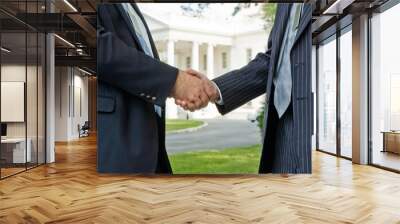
{"type": "Point", "coordinates": [212, 46]}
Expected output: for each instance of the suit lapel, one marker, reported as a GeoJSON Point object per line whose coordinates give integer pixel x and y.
{"type": "Point", "coordinates": [129, 25]}
{"type": "Point", "coordinates": [281, 21]}
{"type": "Point", "coordinates": [305, 20]}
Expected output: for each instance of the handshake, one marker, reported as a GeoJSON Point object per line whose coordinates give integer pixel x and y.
{"type": "Point", "coordinates": [193, 90]}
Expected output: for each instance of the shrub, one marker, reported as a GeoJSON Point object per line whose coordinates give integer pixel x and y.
{"type": "Point", "coordinates": [260, 118]}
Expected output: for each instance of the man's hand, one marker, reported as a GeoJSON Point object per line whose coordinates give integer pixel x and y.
{"type": "Point", "coordinates": [189, 89]}
{"type": "Point", "coordinates": [208, 87]}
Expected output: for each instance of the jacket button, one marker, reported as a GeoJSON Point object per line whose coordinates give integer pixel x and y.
{"type": "Point", "coordinates": [154, 98]}
{"type": "Point", "coordinates": [142, 94]}
{"type": "Point", "coordinates": [148, 96]}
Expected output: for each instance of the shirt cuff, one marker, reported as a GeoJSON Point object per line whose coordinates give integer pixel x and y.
{"type": "Point", "coordinates": [220, 101]}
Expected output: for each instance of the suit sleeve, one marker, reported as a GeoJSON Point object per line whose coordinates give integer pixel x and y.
{"type": "Point", "coordinates": [239, 86]}
{"type": "Point", "coordinates": [127, 68]}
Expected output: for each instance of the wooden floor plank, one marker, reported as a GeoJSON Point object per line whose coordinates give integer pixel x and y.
{"type": "Point", "coordinates": [71, 191]}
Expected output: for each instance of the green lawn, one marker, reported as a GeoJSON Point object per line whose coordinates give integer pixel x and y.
{"type": "Point", "coordinates": [230, 160]}
{"type": "Point", "coordinates": [178, 124]}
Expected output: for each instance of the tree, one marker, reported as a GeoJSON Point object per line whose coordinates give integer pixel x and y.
{"type": "Point", "coordinates": [197, 9]}
{"type": "Point", "coordinates": [269, 11]}
{"type": "Point", "coordinates": [194, 9]}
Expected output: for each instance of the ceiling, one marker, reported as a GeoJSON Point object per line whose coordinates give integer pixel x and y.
{"type": "Point", "coordinates": [75, 22]}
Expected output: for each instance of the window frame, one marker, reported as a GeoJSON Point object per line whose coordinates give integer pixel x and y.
{"type": "Point", "coordinates": [326, 39]}
{"type": "Point", "coordinates": [378, 10]}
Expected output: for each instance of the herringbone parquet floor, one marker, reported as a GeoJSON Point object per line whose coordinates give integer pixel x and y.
{"type": "Point", "coordinates": [70, 191]}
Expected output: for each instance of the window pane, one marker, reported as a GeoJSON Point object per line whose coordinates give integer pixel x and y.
{"type": "Point", "coordinates": [224, 60]}
{"type": "Point", "coordinates": [31, 97]}
{"type": "Point", "coordinates": [385, 88]}
{"type": "Point", "coordinates": [249, 54]}
{"type": "Point", "coordinates": [14, 152]}
{"type": "Point", "coordinates": [327, 97]}
{"type": "Point", "coordinates": [41, 98]}
{"type": "Point", "coordinates": [346, 94]}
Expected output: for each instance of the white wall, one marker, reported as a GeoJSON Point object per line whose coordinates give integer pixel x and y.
{"type": "Point", "coordinates": [33, 125]}
{"type": "Point", "coordinates": [79, 117]}
{"type": "Point", "coordinates": [61, 103]}
{"type": "Point", "coordinates": [12, 73]}
{"type": "Point", "coordinates": [70, 83]}
{"type": "Point", "coordinates": [255, 41]}
{"type": "Point", "coordinates": [237, 58]}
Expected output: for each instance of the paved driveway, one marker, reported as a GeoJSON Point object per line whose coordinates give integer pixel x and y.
{"type": "Point", "coordinates": [219, 134]}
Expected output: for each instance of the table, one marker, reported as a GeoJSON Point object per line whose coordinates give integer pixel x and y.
{"type": "Point", "coordinates": [13, 150]}
{"type": "Point", "coordinates": [391, 141]}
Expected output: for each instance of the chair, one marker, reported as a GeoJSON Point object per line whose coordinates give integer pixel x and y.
{"type": "Point", "coordinates": [84, 130]}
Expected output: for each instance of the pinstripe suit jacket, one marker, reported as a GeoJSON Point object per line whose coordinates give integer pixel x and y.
{"type": "Point", "coordinates": [240, 86]}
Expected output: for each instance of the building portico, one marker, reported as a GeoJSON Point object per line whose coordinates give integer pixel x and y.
{"type": "Point", "coordinates": [208, 47]}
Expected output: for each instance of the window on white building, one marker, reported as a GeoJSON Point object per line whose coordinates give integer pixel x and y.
{"type": "Point", "coordinates": [205, 62]}
{"type": "Point", "coordinates": [249, 54]}
{"type": "Point", "coordinates": [188, 62]}
{"type": "Point", "coordinates": [224, 60]}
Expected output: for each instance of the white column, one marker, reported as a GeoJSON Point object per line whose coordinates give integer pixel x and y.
{"type": "Point", "coordinates": [171, 107]}
{"type": "Point", "coordinates": [195, 65]}
{"type": "Point", "coordinates": [171, 52]}
{"type": "Point", "coordinates": [210, 60]}
{"type": "Point", "coordinates": [195, 56]}
{"type": "Point", "coordinates": [50, 108]}
{"type": "Point", "coordinates": [50, 93]}
{"type": "Point", "coordinates": [211, 110]}
{"type": "Point", "coordinates": [360, 90]}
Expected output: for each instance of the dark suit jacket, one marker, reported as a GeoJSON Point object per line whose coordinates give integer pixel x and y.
{"type": "Point", "coordinates": [131, 136]}
{"type": "Point", "coordinates": [240, 86]}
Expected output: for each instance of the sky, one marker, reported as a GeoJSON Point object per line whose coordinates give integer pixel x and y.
{"type": "Point", "coordinates": [215, 16]}
{"type": "Point", "coordinates": [220, 11]}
